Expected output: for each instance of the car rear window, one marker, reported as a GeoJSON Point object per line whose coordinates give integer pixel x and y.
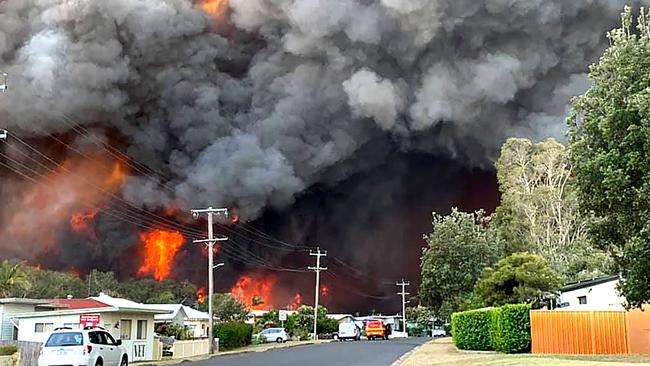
{"type": "Point", "coordinates": [65, 339]}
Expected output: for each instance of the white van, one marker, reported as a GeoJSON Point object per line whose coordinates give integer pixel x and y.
{"type": "Point", "coordinates": [348, 331]}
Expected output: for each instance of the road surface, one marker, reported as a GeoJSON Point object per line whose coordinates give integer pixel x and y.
{"type": "Point", "coordinates": [375, 353]}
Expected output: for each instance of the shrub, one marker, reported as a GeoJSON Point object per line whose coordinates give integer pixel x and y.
{"type": "Point", "coordinates": [510, 330]}
{"type": "Point", "coordinates": [471, 329]}
{"type": "Point", "coordinates": [8, 350]}
{"type": "Point", "coordinates": [233, 335]}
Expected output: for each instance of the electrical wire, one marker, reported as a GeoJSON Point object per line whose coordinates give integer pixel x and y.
{"type": "Point", "coordinates": [163, 221]}
{"type": "Point", "coordinates": [135, 213]}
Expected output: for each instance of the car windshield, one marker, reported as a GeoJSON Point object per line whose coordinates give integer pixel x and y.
{"type": "Point", "coordinates": [65, 339]}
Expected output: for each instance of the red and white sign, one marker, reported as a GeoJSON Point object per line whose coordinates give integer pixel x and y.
{"type": "Point", "coordinates": [89, 320]}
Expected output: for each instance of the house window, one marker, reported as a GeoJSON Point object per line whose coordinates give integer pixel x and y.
{"type": "Point", "coordinates": [15, 334]}
{"type": "Point", "coordinates": [43, 327]}
{"type": "Point", "coordinates": [582, 300]}
{"type": "Point", "coordinates": [125, 329]}
{"type": "Point", "coordinates": [142, 329]}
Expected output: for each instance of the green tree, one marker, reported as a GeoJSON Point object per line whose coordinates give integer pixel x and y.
{"type": "Point", "coordinates": [421, 316]}
{"type": "Point", "coordinates": [53, 285]}
{"type": "Point", "coordinates": [304, 321]}
{"type": "Point", "coordinates": [539, 209]}
{"type": "Point", "coordinates": [459, 247]}
{"type": "Point", "coordinates": [609, 130]}
{"type": "Point", "coordinates": [518, 278]}
{"type": "Point", "coordinates": [227, 308]}
{"type": "Point", "coordinates": [12, 278]}
{"type": "Point", "coordinates": [103, 282]}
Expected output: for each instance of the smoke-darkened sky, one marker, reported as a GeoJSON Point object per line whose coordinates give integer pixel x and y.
{"type": "Point", "coordinates": [342, 123]}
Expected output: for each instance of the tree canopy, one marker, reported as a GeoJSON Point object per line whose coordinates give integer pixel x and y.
{"type": "Point", "coordinates": [610, 150]}
{"type": "Point", "coordinates": [228, 308]}
{"type": "Point", "coordinates": [12, 278]}
{"type": "Point", "coordinates": [518, 278]}
{"type": "Point", "coordinates": [459, 246]}
{"type": "Point", "coordinates": [539, 209]}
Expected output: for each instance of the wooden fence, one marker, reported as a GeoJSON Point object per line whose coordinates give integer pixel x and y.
{"type": "Point", "coordinates": [580, 332]}
{"type": "Point", "coordinates": [29, 351]}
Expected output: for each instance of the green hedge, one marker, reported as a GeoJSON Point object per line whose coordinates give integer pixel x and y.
{"type": "Point", "coordinates": [233, 335]}
{"type": "Point", "coordinates": [8, 350]}
{"type": "Point", "coordinates": [505, 329]}
{"type": "Point", "coordinates": [471, 329]}
{"type": "Point", "coordinates": [511, 328]}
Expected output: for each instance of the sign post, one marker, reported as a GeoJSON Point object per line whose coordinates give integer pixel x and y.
{"type": "Point", "coordinates": [89, 320]}
{"type": "Point", "coordinates": [282, 314]}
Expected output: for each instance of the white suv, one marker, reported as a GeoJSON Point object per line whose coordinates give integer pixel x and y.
{"type": "Point", "coordinates": [87, 347]}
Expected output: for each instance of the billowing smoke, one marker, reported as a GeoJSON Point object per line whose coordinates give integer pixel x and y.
{"type": "Point", "coordinates": [294, 94]}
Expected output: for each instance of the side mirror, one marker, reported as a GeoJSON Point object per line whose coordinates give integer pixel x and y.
{"type": "Point", "coordinates": [119, 342]}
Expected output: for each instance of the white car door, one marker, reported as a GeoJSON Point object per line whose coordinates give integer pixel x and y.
{"type": "Point", "coordinates": [100, 341]}
{"type": "Point", "coordinates": [114, 349]}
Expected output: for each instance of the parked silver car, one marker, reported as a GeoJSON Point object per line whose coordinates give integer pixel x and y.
{"type": "Point", "coordinates": [273, 335]}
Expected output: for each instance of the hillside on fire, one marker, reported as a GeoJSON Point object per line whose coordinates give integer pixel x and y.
{"type": "Point", "coordinates": [338, 126]}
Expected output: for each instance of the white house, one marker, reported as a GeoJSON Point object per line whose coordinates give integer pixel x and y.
{"type": "Point", "coordinates": [596, 294]}
{"type": "Point", "coordinates": [129, 321]}
{"type": "Point", "coordinates": [12, 306]}
{"type": "Point", "coordinates": [196, 321]}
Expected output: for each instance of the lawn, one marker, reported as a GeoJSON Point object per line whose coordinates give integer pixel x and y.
{"type": "Point", "coordinates": [443, 352]}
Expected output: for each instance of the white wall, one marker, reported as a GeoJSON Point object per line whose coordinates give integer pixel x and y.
{"type": "Point", "coordinates": [6, 311]}
{"type": "Point", "coordinates": [199, 327]}
{"type": "Point", "coordinates": [134, 347]}
{"type": "Point", "coordinates": [599, 297]}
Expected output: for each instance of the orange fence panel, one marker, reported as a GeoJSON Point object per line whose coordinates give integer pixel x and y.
{"type": "Point", "coordinates": [579, 332]}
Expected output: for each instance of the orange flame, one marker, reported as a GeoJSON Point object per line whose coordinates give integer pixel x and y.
{"type": "Point", "coordinates": [160, 248]}
{"type": "Point", "coordinates": [200, 295]}
{"type": "Point", "coordinates": [69, 195]}
{"type": "Point", "coordinates": [81, 223]}
{"type": "Point", "coordinates": [296, 302]}
{"type": "Point", "coordinates": [215, 8]}
{"type": "Point", "coordinates": [75, 272]}
{"type": "Point", "coordinates": [324, 291]}
{"type": "Point", "coordinates": [255, 294]}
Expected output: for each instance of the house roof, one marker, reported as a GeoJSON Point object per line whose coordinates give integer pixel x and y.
{"type": "Point", "coordinates": [194, 314]}
{"type": "Point", "coordinates": [172, 311]}
{"type": "Point", "coordinates": [589, 283]}
{"type": "Point", "coordinates": [73, 304]}
{"type": "Point", "coordinates": [17, 300]}
{"type": "Point", "coordinates": [187, 312]}
{"type": "Point", "coordinates": [99, 304]}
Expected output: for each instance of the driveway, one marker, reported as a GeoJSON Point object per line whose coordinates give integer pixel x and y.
{"type": "Point", "coordinates": [375, 353]}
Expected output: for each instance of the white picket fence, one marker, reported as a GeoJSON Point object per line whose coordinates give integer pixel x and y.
{"type": "Point", "coordinates": [192, 348]}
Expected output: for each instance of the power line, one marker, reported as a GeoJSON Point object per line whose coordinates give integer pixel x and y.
{"type": "Point", "coordinates": [162, 221]}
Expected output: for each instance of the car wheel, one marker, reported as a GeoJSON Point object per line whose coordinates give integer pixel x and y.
{"type": "Point", "coordinates": [279, 340]}
{"type": "Point", "coordinates": [125, 361]}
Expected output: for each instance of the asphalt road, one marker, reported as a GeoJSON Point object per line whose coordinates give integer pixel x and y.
{"type": "Point", "coordinates": [375, 353]}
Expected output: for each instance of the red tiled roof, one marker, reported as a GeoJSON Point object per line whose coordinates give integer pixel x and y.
{"type": "Point", "coordinates": [73, 304]}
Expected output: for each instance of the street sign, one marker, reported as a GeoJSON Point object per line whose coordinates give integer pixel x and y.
{"type": "Point", "coordinates": [89, 320]}
{"type": "Point", "coordinates": [283, 315]}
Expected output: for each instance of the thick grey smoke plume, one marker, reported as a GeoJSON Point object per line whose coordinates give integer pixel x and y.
{"type": "Point", "coordinates": [297, 87]}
